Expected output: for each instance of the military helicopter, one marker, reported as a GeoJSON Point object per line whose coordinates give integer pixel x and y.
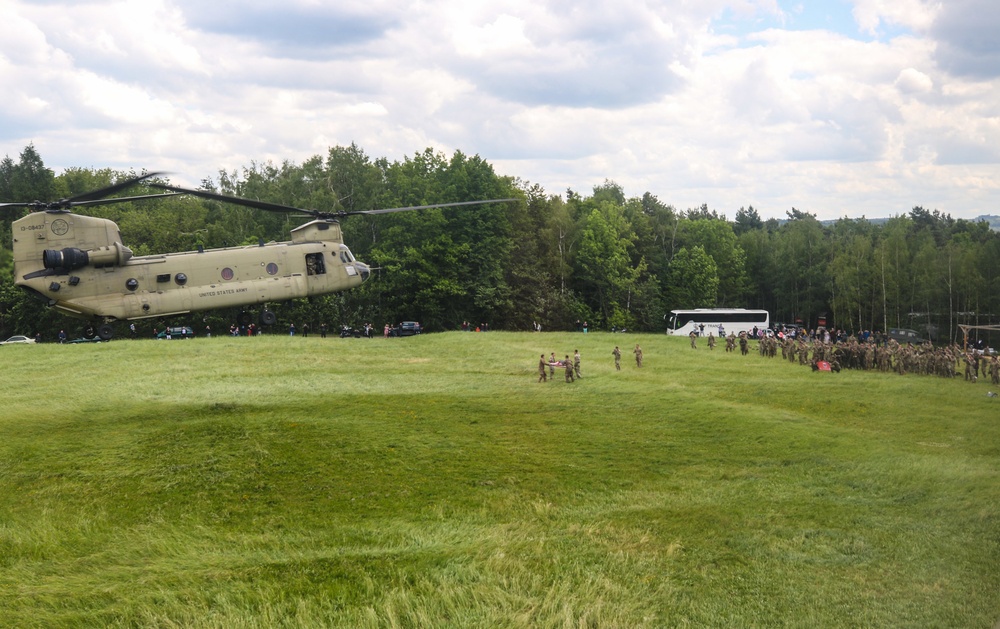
{"type": "Point", "coordinates": [80, 266]}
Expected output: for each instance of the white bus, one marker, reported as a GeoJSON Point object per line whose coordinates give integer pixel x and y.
{"type": "Point", "coordinates": [705, 320]}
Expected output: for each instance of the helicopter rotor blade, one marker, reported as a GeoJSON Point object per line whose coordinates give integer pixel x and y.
{"type": "Point", "coordinates": [124, 199]}
{"type": "Point", "coordinates": [94, 197]}
{"type": "Point", "coordinates": [276, 207]}
{"type": "Point", "coordinates": [103, 192]}
{"type": "Point", "coordinates": [427, 207]}
{"type": "Point", "coordinates": [260, 205]}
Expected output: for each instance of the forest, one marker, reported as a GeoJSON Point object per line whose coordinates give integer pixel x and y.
{"type": "Point", "coordinates": [612, 260]}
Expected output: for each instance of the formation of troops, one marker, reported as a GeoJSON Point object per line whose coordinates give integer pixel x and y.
{"type": "Point", "coordinates": [948, 361]}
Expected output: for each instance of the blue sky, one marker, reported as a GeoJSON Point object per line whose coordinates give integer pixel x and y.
{"type": "Point", "coordinates": [839, 108]}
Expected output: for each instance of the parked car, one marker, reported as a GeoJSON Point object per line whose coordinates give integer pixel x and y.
{"type": "Point", "coordinates": [406, 328]}
{"type": "Point", "coordinates": [904, 335]}
{"type": "Point", "coordinates": [17, 340]}
{"type": "Point", "coordinates": [178, 332]}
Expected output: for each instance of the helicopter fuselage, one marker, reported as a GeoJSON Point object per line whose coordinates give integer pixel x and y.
{"type": "Point", "coordinates": [79, 266]}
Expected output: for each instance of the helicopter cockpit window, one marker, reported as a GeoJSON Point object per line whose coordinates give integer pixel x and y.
{"type": "Point", "coordinates": [314, 264]}
{"type": "Point", "coordinates": [345, 255]}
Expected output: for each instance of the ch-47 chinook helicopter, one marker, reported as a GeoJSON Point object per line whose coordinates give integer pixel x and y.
{"type": "Point", "coordinates": [80, 266]}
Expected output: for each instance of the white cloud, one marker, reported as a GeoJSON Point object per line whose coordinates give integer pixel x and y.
{"type": "Point", "coordinates": [918, 15]}
{"type": "Point", "coordinates": [913, 81]}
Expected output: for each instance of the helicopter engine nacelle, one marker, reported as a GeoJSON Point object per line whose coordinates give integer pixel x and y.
{"type": "Point", "coordinates": [72, 258]}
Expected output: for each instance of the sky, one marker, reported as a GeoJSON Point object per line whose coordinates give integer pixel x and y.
{"type": "Point", "coordinates": [839, 108]}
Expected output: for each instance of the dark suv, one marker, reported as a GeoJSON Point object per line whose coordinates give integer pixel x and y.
{"type": "Point", "coordinates": [903, 335]}
{"type": "Point", "coordinates": [179, 332]}
{"type": "Point", "coordinates": [406, 328]}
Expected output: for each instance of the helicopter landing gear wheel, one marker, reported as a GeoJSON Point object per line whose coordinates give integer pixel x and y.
{"type": "Point", "coordinates": [268, 318]}
{"type": "Point", "coordinates": [106, 332]}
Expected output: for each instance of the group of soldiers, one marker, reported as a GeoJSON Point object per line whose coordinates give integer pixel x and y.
{"type": "Point", "coordinates": [923, 359]}
{"type": "Point", "coordinates": [731, 341]}
{"type": "Point", "coordinates": [571, 367]}
{"type": "Point", "coordinates": [547, 367]}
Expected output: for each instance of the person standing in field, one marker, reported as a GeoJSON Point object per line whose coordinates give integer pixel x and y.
{"type": "Point", "coordinates": [541, 368]}
{"type": "Point", "coordinates": [618, 358]}
{"type": "Point", "coordinates": [552, 365]}
{"type": "Point", "coordinates": [568, 365]}
{"type": "Point", "coordinates": [576, 364]}
{"type": "Point", "coordinates": [711, 341]}
{"type": "Point", "coordinates": [694, 339]}
{"type": "Point", "coordinates": [638, 355]}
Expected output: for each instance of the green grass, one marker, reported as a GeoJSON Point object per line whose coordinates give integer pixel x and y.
{"type": "Point", "coordinates": [431, 481]}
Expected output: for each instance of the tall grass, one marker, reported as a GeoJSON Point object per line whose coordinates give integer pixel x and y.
{"type": "Point", "coordinates": [431, 481]}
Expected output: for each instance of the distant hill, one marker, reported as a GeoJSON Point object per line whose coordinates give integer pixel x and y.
{"type": "Point", "coordinates": [992, 219]}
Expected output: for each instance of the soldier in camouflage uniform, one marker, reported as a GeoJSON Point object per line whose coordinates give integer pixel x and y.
{"type": "Point", "coordinates": [541, 368]}
{"type": "Point", "coordinates": [576, 364]}
{"type": "Point", "coordinates": [568, 365]}
{"type": "Point", "coordinates": [618, 358]}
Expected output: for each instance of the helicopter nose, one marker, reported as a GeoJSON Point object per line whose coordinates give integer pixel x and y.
{"type": "Point", "coordinates": [363, 270]}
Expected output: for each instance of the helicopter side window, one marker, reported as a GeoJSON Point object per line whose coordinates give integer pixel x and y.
{"type": "Point", "coordinates": [314, 264]}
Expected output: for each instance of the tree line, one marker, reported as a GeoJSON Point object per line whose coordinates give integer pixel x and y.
{"type": "Point", "coordinates": [549, 259]}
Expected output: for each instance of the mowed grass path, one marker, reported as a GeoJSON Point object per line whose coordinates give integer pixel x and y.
{"type": "Point", "coordinates": [432, 482]}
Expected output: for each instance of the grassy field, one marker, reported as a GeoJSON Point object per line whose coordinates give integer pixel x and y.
{"type": "Point", "coordinates": [432, 482]}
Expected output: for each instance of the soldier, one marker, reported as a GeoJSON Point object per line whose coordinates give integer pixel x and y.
{"type": "Point", "coordinates": [576, 364]}
{"type": "Point", "coordinates": [711, 341]}
{"type": "Point", "coordinates": [568, 365]}
{"type": "Point", "coordinates": [618, 358]}
{"type": "Point", "coordinates": [638, 355]}
{"type": "Point", "coordinates": [541, 368]}
{"type": "Point", "coordinates": [995, 370]}
{"type": "Point", "coordinates": [694, 339]}
{"type": "Point", "coordinates": [552, 365]}
{"type": "Point", "coordinates": [968, 367]}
